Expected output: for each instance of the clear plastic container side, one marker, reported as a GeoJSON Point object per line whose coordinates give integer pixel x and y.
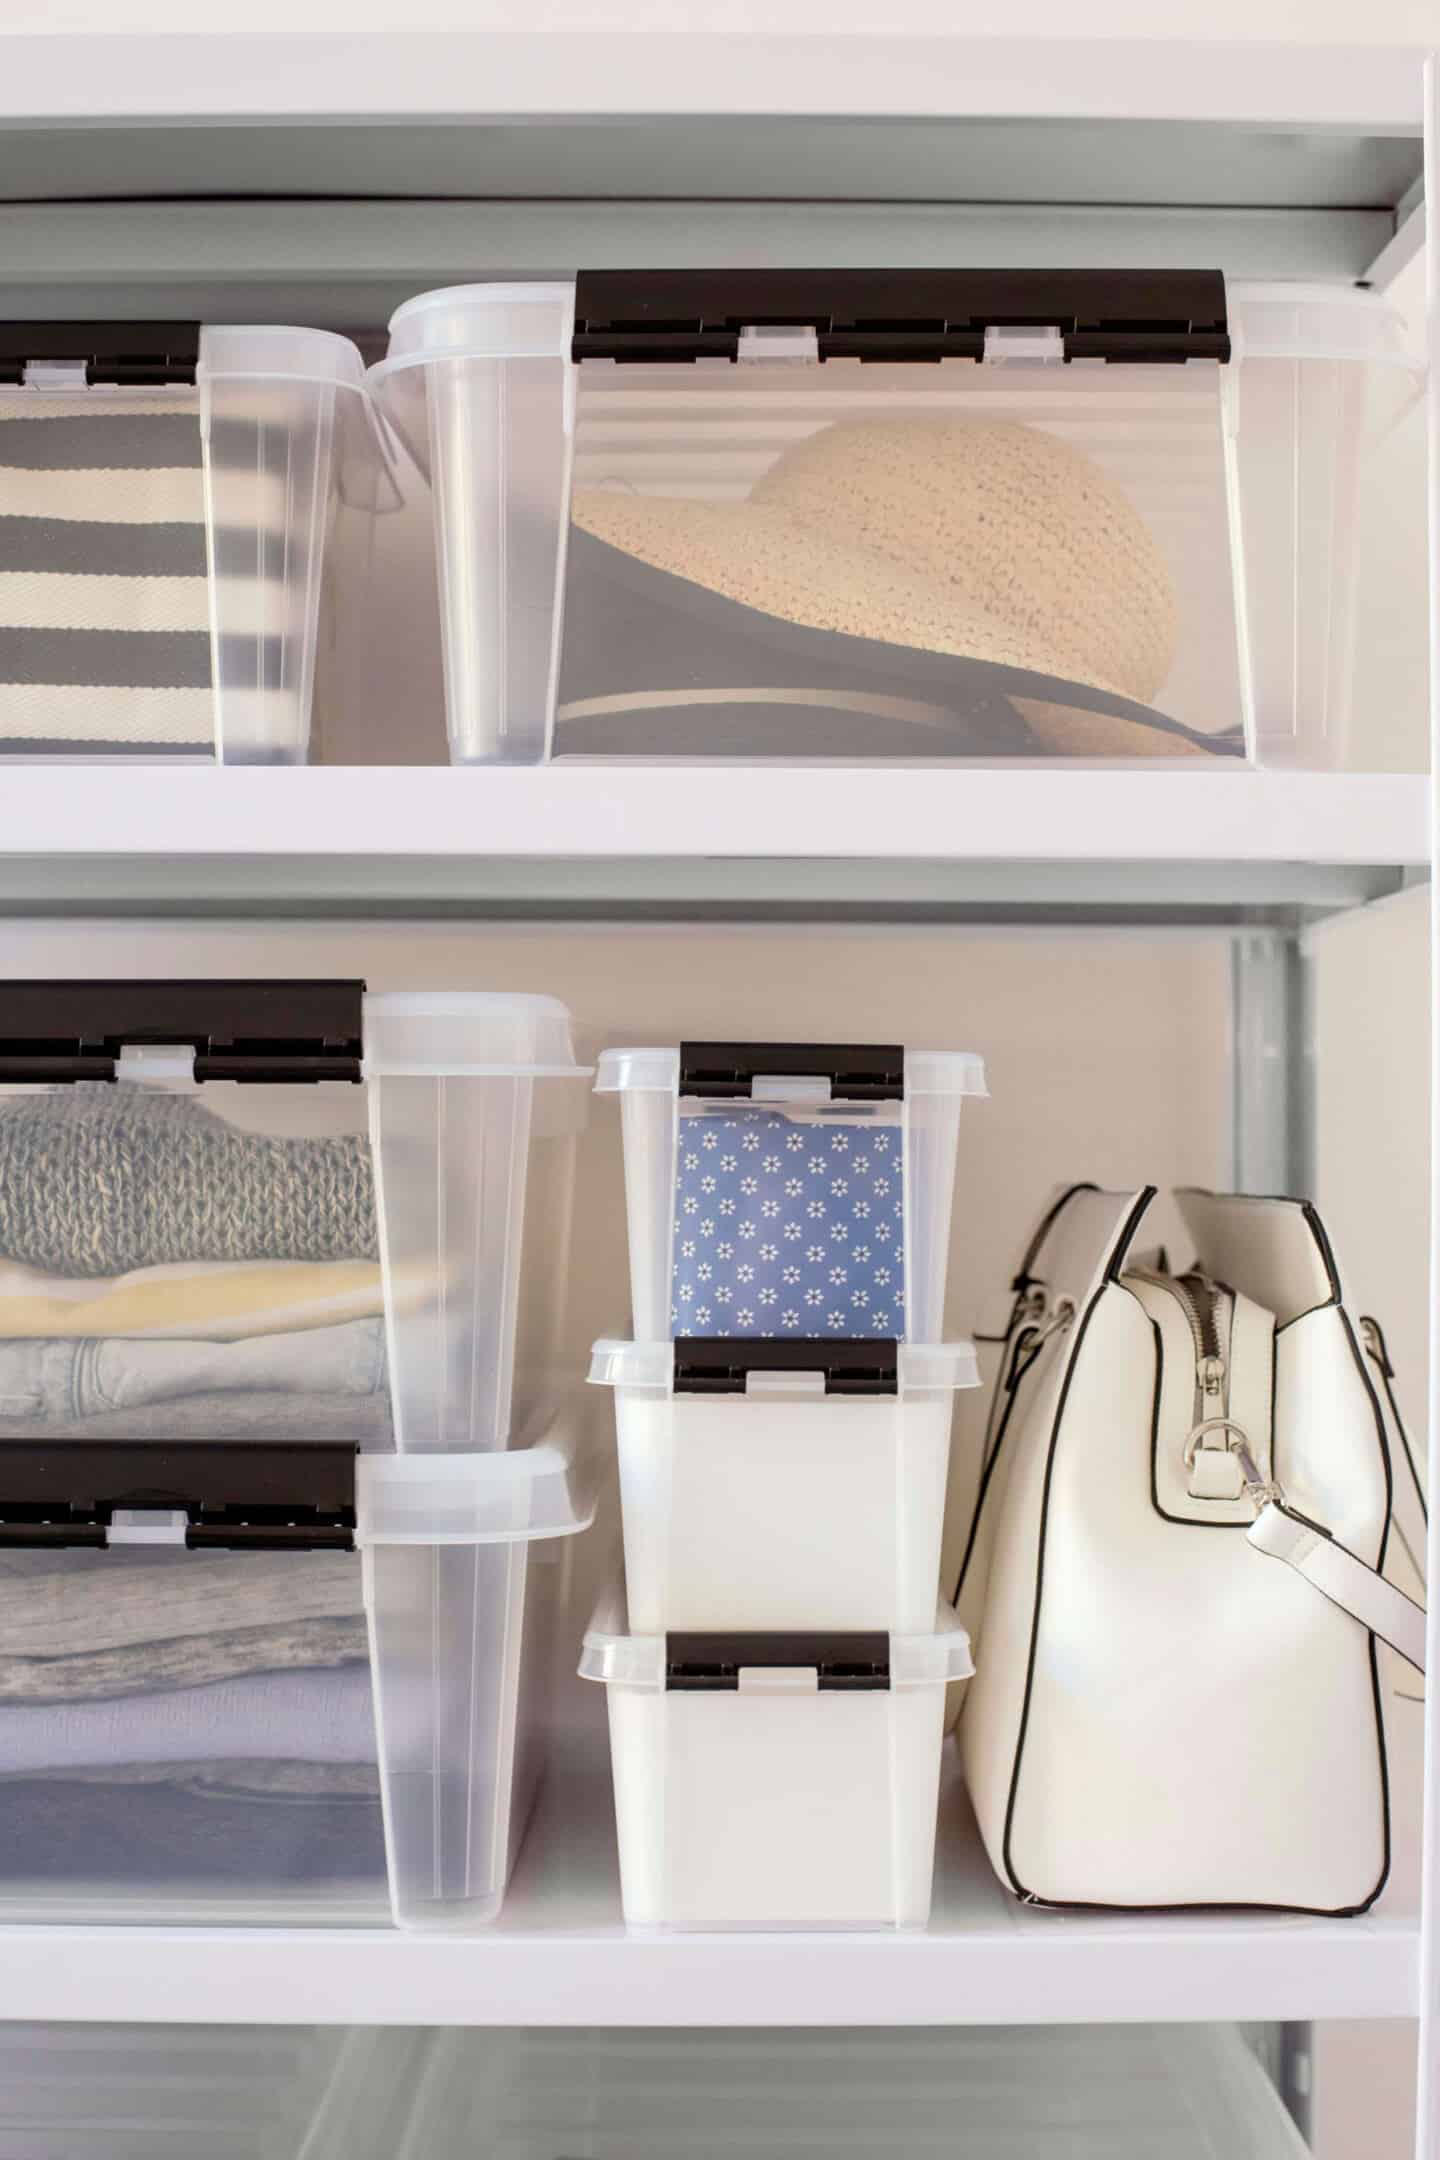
{"type": "Point", "coordinates": [464, 1646]}
{"type": "Point", "coordinates": [187, 1735]}
{"type": "Point", "coordinates": [479, 387]}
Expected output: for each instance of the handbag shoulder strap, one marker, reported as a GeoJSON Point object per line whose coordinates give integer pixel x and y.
{"type": "Point", "coordinates": [1283, 1533]}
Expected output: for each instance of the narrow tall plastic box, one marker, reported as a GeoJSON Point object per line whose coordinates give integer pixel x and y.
{"type": "Point", "coordinates": [899, 514]}
{"type": "Point", "coordinates": [804, 1489]}
{"type": "Point", "coordinates": [284, 1209]}
{"type": "Point", "coordinates": [775, 1780]}
{"type": "Point", "coordinates": [174, 492]}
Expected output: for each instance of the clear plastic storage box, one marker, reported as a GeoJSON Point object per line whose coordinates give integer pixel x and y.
{"type": "Point", "coordinates": [1052, 2092]}
{"type": "Point", "coordinates": [265, 1681]}
{"type": "Point", "coordinates": [775, 1779]}
{"type": "Point", "coordinates": [789, 1190]}
{"type": "Point", "coordinates": [896, 514]}
{"type": "Point", "coordinates": [169, 491]}
{"type": "Point", "coordinates": [770, 1485]}
{"type": "Point", "coordinates": [283, 1210]}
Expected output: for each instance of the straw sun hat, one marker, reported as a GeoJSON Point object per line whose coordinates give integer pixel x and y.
{"type": "Point", "coordinates": [971, 585]}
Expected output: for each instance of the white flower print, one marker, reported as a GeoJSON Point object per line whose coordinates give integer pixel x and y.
{"type": "Point", "coordinates": [744, 1274]}
{"type": "Point", "coordinates": [692, 1205]}
{"type": "Point", "coordinates": [816, 1210]}
{"type": "Point", "coordinates": [749, 1186]}
{"type": "Point", "coordinates": [704, 1272]}
{"type": "Point", "coordinates": [767, 1297]}
{"type": "Point", "coordinates": [899, 1207]}
{"type": "Point", "coordinates": [793, 1233]}
{"type": "Point", "coordinates": [789, 1318]}
{"type": "Point", "coordinates": [814, 1254]}
{"type": "Point", "coordinates": [839, 1142]}
{"type": "Point", "coordinates": [795, 1141]}
{"type": "Point", "coordinates": [814, 1297]}
{"type": "Point", "coordinates": [882, 1184]}
{"type": "Point", "coordinates": [835, 1319]}
{"type": "Point", "coordinates": [882, 1274]}
{"type": "Point", "coordinates": [839, 1185]}
{"type": "Point", "coordinates": [860, 1254]}
{"type": "Point", "coordinates": [838, 1275]}
{"type": "Point", "coordinates": [748, 1230]}
{"type": "Point", "coordinates": [751, 1143]}
{"type": "Point", "coordinates": [727, 1207]}
{"type": "Point", "coordinates": [707, 1184]}
{"type": "Point", "coordinates": [815, 1168]}
{"type": "Point", "coordinates": [770, 1165]}
{"type": "Point", "coordinates": [728, 1162]}
{"type": "Point", "coordinates": [692, 1162]}
{"type": "Point", "coordinates": [859, 1299]}
{"type": "Point", "coordinates": [793, 1188]}
{"type": "Point", "coordinates": [883, 1233]}
{"type": "Point", "coordinates": [687, 1249]}
{"type": "Point", "coordinates": [862, 1210]}
{"type": "Point", "coordinates": [702, 1316]}
{"type": "Point", "coordinates": [838, 1232]}
{"type": "Point", "coordinates": [769, 1252]}
{"type": "Point", "coordinates": [769, 1209]}
{"type": "Point", "coordinates": [687, 1292]}
{"type": "Point", "coordinates": [724, 1295]}
{"type": "Point", "coordinates": [709, 1140]}
{"type": "Point", "coordinates": [707, 1227]}
{"type": "Point", "coordinates": [861, 1166]}
{"type": "Point", "coordinates": [790, 1275]}
{"type": "Point", "coordinates": [724, 1250]}
{"type": "Point", "coordinates": [745, 1318]}
{"type": "Point", "coordinates": [881, 1143]}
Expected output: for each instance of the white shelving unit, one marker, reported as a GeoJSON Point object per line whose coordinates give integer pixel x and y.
{"type": "Point", "coordinates": [392, 163]}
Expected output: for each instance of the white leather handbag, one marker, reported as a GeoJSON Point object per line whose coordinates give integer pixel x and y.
{"type": "Point", "coordinates": [1172, 1578]}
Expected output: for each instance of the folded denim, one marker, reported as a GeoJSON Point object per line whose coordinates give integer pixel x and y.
{"type": "Point", "coordinates": [64, 1380]}
{"type": "Point", "coordinates": [360, 1421]}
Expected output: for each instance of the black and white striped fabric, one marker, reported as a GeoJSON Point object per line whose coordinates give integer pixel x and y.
{"type": "Point", "coordinates": [104, 587]}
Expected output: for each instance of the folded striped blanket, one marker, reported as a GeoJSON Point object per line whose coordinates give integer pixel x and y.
{"type": "Point", "coordinates": [105, 585]}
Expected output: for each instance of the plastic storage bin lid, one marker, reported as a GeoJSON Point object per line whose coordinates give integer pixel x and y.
{"type": "Point", "coordinates": [481, 322]}
{"type": "Point", "coordinates": [1316, 322]}
{"type": "Point", "coordinates": [473, 1034]}
{"type": "Point", "coordinates": [546, 1491]}
{"type": "Point", "coordinates": [922, 1368]}
{"type": "Point", "coordinates": [657, 1072]}
{"type": "Point", "coordinates": [612, 1655]}
{"type": "Point", "coordinates": [279, 353]}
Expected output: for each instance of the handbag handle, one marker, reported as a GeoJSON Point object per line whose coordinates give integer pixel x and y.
{"type": "Point", "coordinates": [1282, 1533]}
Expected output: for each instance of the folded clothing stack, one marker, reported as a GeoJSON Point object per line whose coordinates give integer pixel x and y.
{"type": "Point", "coordinates": [191, 1721]}
{"type": "Point", "coordinates": [166, 1274]}
{"type": "Point", "coordinates": [194, 1721]}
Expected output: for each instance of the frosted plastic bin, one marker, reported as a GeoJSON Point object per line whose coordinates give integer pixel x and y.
{"type": "Point", "coordinates": [775, 1779]}
{"type": "Point", "coordinates": [789, 1190]}
{"type": "Point", "coordinates": [767, 1487]}
{"type": "Point", "coordinates": [897, 514]}
{"type": "Point", "coordinates": [283, 1210]}
{"type": "Point", "coordinates": [215, 1708]}
{"type": "Point", "coordinates": [1053, 2092]}
{"type": "Point", "coordinates": [170, 493]}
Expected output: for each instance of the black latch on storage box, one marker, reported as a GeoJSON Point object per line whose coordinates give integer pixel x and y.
{"type": "Point", "coordinates": [926, 315]}
{"type": "Point", "coordinates": [251, 1494]}
{"type": "Point", "coordinates": [253, 1031]}
{"type": "Point", "coordinates": [843, 1663]}
{"type": "Point", "coordinates": [852, 1365]}
{"type": "Point", "coordinates": [857, 1072]}
{"type": "Point", "coordinates": [135, 353]}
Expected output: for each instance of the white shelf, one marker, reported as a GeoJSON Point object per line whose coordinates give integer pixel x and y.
{"type": "Point", "coordinates": [559, 1954]}
{"type": "Point", "coordinates": [604, 839]}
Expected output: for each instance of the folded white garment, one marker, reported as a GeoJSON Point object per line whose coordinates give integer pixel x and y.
{"type": "Point", "coordinates": [198, 1300]}
{"type": "Point", "coordinates": [315, 1716]}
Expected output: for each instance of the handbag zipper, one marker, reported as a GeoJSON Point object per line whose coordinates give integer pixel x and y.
{"type": "Point", "coordinates": [1202, 1302]}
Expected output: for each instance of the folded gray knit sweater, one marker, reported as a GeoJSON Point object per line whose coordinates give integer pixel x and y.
{"type": "Point", "coordinates": [98, 1179]}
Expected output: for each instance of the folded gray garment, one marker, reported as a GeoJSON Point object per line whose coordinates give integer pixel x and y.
{"type": "Point", "coordinates": [323, 1717]}
{"type": "Point", "coordinates": [278, 1778]}
{"type": "Point", "coordinates": [361, 1421]}
{"type": "Point", "coordinates": [62, 1380]}
{"type": "Point", "coordinates": [97, 1180]}
{"type": "Point", "coordinates": [78, 1627]}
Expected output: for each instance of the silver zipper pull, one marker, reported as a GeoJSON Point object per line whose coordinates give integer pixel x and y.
{"type": "Point", "coordinates": [1212, 1376]}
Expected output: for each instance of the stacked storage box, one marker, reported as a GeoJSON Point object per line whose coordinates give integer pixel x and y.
{"type": "Point", "coordinates": [775, 1667]}
{"type": "Point", "coordinates": [288, 1464]}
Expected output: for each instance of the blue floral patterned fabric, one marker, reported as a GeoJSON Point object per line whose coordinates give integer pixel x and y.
{"type": "Point", "coordinates": [788, 1226]}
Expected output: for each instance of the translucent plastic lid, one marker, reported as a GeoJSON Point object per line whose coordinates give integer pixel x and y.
{"type": "Point", "coordinates": [927, 1072]}
{"type": "Point", "coordinates": [1315, 322]}
{"type": "Point", "coordinates": [923, 1368]}
{"type": "Point", "coordinates": [473, 1033]}
{"type": "Point", "coordinates": [482, 322]}
{"type": "Point", "coordinates": [280, 353]}
{"type": "Point", "coordinates": [612, 1655]}
{"type": "Point", "coordinates": [547, 1491]}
